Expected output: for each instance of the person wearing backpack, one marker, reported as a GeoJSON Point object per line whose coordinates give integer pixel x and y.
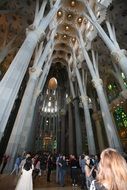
{"type": "Point", "coordinates": [112, 172]}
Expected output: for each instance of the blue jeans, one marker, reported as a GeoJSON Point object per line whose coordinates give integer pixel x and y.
{"type": "Point", "coordinates": [62, 176]}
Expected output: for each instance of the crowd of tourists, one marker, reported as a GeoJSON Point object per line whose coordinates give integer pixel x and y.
{"type": "Point", "coordinates": [105, 172]}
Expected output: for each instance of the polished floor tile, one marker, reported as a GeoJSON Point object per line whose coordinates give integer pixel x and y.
{"type": "Point", "coordinates": [8, 182]}
{"type": "Point", "coordinates": [59, 188]}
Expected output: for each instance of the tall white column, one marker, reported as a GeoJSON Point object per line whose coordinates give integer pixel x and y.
{"type": "Point", "coordinates": [29, 118]}
{"type": "Point", "coordinates": [23, 110]}
{"type": "Point", "coordinates": [25, 126]}
{"type": "Point", "coordinates": [119, 55]}
{"type": "Point", "coordinates": [11, 82]}
{"type": "Point", "coordinates": [84, 98]}
{"type": "Point", "coordinates": [20, 133]}
{"type": "Point", "coordinates": [77, 117]}
{"type": "Point", "coordinates": [110, 127]}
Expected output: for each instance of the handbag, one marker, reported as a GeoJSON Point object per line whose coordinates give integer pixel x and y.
{"type": "Point", "coordinates": [92, 186]}
{"type": "Point", "coordinates": [96, 186]}
{"type": "Point", "coordinates": [89, 180]}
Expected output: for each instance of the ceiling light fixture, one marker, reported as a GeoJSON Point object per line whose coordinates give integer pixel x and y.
{"type": "Point", "coordinates": [67, 27]}
{"type": "Point", "coordinates": [64, 36]}
{"type": "Point", "coordinates": [72, 3]}
{"type": "Point", "coordinates": [59, 13]}
{"type": "Point", "coordinates": [73, 39]}
{"type": "Point", "coordinates": [69, 16]}
{"type": "Point", "coordinates": [79, 20]}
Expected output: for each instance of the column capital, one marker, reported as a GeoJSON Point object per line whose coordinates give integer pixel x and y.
{"type": "Point", "coordinates": [30, 28]}
{"type": "Point", "coordinates": [118, 54]}
{"type": "Point", "coordinates": [96, 116]}
{"type": "Point", "coordinates": [37, 93]}
{"type": "Point", "coordinates": [97, 82]}
{"type": "Point", "coordinates": [84, 98]}
{"type": "Point", "coordinates": [37, 32]}
{"type": "Point", "coordinates": [40, 33]}
{"type": "Point", "coordinates": [35, 72]}
{"type": "Point", "coordinates": [68, 99]}
{"type": "Point", "coordinates": [72, 75]}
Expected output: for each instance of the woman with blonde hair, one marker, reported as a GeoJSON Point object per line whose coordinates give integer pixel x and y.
{"type": "Point", "coordinates": [112, 172]}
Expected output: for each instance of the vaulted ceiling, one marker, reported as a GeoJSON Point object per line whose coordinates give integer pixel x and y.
{"type": "Point", "coordinates": [17, 15]}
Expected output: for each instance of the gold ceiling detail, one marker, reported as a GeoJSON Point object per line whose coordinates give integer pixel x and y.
{"type": "Point", "coordinates": [59, 13]}
{"type": "Point", "coordinates": [73, 3]}
{"type": "Point", "coordinates": [70, 16]}
{"type": "Point", "coordinates": [74, 6]}
{"type": "Point", "coordinates": [67, 29]}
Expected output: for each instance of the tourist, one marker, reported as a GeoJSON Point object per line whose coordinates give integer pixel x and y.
{"type": "Point", "coordinates": [112, 172]}
{"type": "Point", "coordinates": [25, 181]}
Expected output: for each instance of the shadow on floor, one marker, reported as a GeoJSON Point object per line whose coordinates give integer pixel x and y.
{"type": "Point", "coordinates": [8, 182]}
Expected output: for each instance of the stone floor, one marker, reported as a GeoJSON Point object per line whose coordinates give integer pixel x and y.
{"type": "Point", "coordinates": [8, 182]}
{"type": "Point", "coordinates": [42, 184]}
{"type": "Point", "coordinates": [59, 188]}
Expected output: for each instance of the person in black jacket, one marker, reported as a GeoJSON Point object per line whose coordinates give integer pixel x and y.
{"type": "Point", "coordinates": [74, 170]}
{"type": "Point", "coordinates": [49, 167]}
{"type": "Point", "coordinates": [63, 167]}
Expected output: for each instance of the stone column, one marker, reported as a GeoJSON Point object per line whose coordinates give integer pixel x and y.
{"type": "Point", "coordinates": [19, 136]}
{"type": "Point", "coordinates": [84, 98]}
{"type": "Point", "coordinates": [77, 117]}
{"type": "Point", "coordinates": [12, 80]}
{"type": "Point", "coordinates": [89, 130]}
{"type": "Point", "coordinates": [18, 125]}
{"type": "Point", "coordinates": [58, 126]}
{"type": "Point", "coordinates": [70, 129]}
{"type": "Point", "coordinates": [119, 55]}
{"type": "Point", "coordinates": [62, 139]}
{"type": "Point", "coordinates": [31, 137]}
{"type": "Point", "coordinates": [26, 125]}
{"type": "Point", "coordinates": [99, 131]}
{"type": "Point", "coordinates": [58, 135]}
{"type": "Point", "coordinates": [77, 127]}
{"type": "Point", "coordinates": [110, 127]}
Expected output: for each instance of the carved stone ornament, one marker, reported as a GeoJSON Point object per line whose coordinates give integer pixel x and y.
{"type": "Point", "coordinates": [117, 55]}
{"type": "Point", "coordinates": [84, 98]}
{"type": "Point", "coordinates": [97, 82]}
